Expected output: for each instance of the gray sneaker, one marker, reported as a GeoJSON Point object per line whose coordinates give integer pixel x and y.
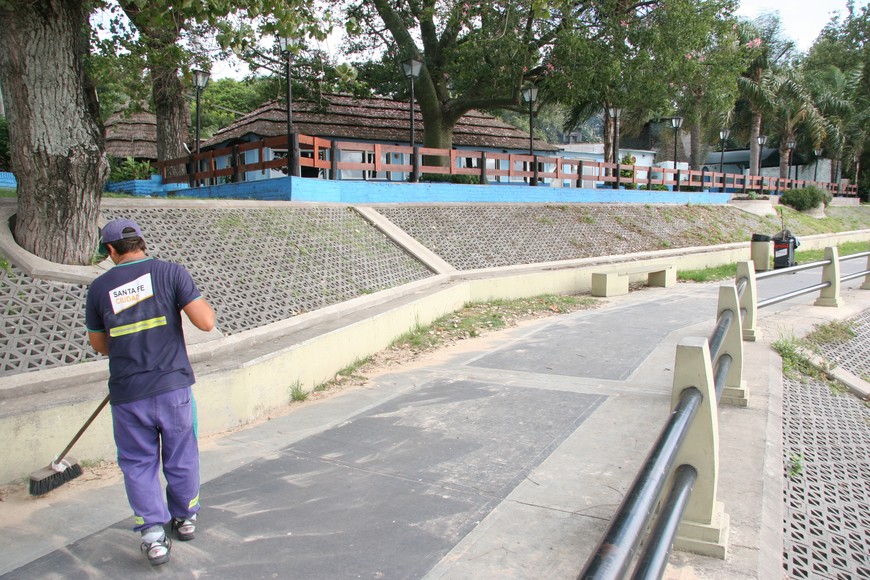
{"type": "Point", "coordinates": [157, 552]}
{"type": "Point", "coordinates": [185, 529]}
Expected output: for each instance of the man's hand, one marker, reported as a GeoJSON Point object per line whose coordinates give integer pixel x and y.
{"type": "Point", "coordinates": [201, 314]}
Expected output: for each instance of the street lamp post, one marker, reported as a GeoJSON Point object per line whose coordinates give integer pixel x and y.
{"type": "Point", "coordinates": [790, 145]}
{"type": "Point", "coordinates": [723, 136]}
{"type": "Point", "coordinates": [292, 139]}
{"type": "Point", "coordinates": [200, 79]}
{"type": "Point", "coordinates": [412, 68]}
{"type": "Point", "coordinates": [676, 123]}
{"type": "Point", "coordinates": [761, 140]}
{"type": "Point", "coordinates": [818, 153]}
{"type": "Point", "coordinates": [530, 95]}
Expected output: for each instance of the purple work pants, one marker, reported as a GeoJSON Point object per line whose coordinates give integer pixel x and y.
{"type": "Point", "coordinates": [146, 429]}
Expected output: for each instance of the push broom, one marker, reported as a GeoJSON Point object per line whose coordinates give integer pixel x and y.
{"type": "Point", "coordinates": [63, 468]}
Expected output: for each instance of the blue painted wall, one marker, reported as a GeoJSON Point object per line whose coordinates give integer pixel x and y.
{"type": "Point", "coordinates": [7, 180]}
{"type": "Point", "coordinates": [363, 192]}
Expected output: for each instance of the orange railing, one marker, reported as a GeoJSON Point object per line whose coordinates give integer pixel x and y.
{"type": "Point", "coordinates": [324, 158]}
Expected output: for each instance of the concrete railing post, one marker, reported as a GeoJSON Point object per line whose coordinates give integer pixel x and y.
{"type": "Point", "coordinates": [749, 301]}
{"type": "Point", "coordinates": [705, 525]}
{"type": "Point", "coordinates": [866, 284]}
{"type": "Point", "coordinates": [735, 391]}
{"type": "Point", "coordinates": [830, 296]}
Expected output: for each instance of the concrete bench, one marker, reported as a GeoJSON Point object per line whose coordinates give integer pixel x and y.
{"type": "Point", "coordinates": [616, 283]}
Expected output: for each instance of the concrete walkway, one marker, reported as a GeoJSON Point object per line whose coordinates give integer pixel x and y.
{"type": "Point", "coordinates": [503, 460]}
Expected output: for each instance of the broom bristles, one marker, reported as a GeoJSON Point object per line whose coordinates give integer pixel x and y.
{"type": "Point", "coordinates": [49, 478]}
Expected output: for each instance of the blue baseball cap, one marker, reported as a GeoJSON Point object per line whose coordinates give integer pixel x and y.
{"type": "Point", "coordinates": [115, 231]}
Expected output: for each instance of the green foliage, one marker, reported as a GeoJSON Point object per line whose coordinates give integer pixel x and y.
{"type": "Point", "coordinates": [443, 178]}
{"type": "Point", "coordinates": [224, 100]}
{"type": "Point", "coordinates": [836, 332]}
{"type": "Point", "coordinates": [723, 272]}
{"type": "Point", "coordinates": [297, 392]}
{"type": "Point", "coordinates": [128, 169]}
{"type": "Point", "coordinates": [627, 159]}
{"type": "Point", "coordinates": [795, 466]}
{"type": "Point", "coordinates": [844, 249]}
{"type": "Point", "coordinates": [475, 318]}
{"type": "Point", "coordinates": [806, 198]}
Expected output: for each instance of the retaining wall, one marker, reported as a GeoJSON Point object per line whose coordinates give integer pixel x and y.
{"type": "Point", "coordinates": [238, 382]}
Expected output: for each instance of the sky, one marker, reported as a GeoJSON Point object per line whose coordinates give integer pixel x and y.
{"type": "Point", "coordinates": [802, 19]}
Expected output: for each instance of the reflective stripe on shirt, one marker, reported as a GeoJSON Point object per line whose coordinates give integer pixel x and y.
{"type": "Point", "coordinates": [137, 326]}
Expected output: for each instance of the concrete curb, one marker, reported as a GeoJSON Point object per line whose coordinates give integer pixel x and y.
{"type": "Point", "coordinates": [855, 384]}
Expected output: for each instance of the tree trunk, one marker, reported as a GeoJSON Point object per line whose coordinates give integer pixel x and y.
{"type": "Point", "coordinates": [173, 115]}
{"type": "Point", "coordinates": [608, 137]}
{"type": "Point", "coordinates": [754, 147]}
{"type": "Point", "coordinates": [695, 160]}
{"type": "Point", "coordinates": [783, 160]}
{"type": "Point", "coordinates": [56, 146]}
{"type": "Point", "coordinates": [167, 90]}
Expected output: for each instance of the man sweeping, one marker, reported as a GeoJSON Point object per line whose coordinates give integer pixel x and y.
{"type": "Point", "coordinates": [133, 315]}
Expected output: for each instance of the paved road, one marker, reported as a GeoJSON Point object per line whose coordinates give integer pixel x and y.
{"type": "Point", "coordinates": [504, 461]}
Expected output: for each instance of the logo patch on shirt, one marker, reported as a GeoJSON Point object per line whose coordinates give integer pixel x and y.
{"type": "Point", "coordinates": [131, 293]}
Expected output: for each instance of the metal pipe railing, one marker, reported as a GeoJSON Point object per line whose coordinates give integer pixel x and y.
{"type": "Point", "coordinates": [720, 373]}
{"type": "Point", "coordinates": [719, 332]}
{"type": "Point", "coordinates": [617, 547]}
{"type": "Point", "coordinates": [654, 559]}
{"type": "Point", "coordinates": [792, 269]}
{"type": "Point", "coordinates": [793, 294]}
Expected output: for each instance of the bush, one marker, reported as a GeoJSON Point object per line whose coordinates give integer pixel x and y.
{"type": "Point", "coordinates": [128, 169]}
{"type": "Point", "coordinates": [807, 198]}
{"type": "Point", "coordinates": [443, 178]}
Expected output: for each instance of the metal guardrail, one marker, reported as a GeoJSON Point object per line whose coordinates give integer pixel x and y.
{"type": "Point", "coordinates": [719, 360]}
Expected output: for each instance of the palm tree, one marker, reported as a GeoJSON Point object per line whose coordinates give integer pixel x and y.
{"type": "Point", "coordinates": [835, 94]}
{"type": "Point", "coordinates": [763, 35]}
{"type": "Point", "coordinates": [793, 113]}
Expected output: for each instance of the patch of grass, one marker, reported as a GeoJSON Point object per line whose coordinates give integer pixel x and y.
{"type": "Point", "coordinates": [297, 392]}
{"type": "Point", "coordinates": [7, 192]}
{"type": "Point", "coordinates": [350, 373]}
{"type": "Point", "coordinates": [796, 366]}
{"type": "Point", "coordinates": [837, 332]}
{"type": "Point", "coordinates": [713, 274]}
{"type": "Point", "coordinates": [844, 249]}
{"type": "Point", "coordinates": [795, 465]}
{"type": "Point", "coordinates": [476, 318]}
